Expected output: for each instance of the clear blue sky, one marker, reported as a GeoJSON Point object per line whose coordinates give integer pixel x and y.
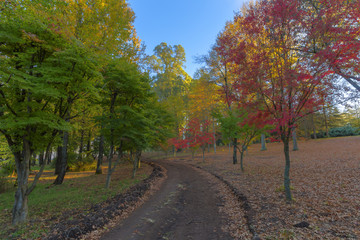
{"type": "Point", "coordinates": [194, 24]}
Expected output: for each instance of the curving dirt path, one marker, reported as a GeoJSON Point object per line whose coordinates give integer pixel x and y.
{"type": "Point", "coordinates": [185, 207]}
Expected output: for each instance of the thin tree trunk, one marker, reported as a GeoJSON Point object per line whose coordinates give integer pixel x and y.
{"type": "Point", "coordinates": [287, 170]}
{"type": "Point", "coordinates": [88, 145]}
{"type": "Point", "coordinates": [295, 145]}
{"type": "Point", "coordinates": [234, 151]}
{"type": "Point", "coordinates": [313, 126]}
{"type": "Point", "coordinates": [326, 123]}
{"type": "Point", "coordinates": [30, 164]}
{"type": "Point", "coordinates": [60, 178]}
{"type": "Point", "coordinates": [49, 158]}
{"type": "Point", "coordinates": [242, 159]}
{"type": "Point", "coordinates": [203, 154]}
{"type": "Point", "coordinates": [214, 136]}
{"type": "Point", "coordinates": [41, 158]}
{"type": "Point", "coordinates": [134, 159]}
{"type": "Point", "coordinates": [111, 152]}
{"type": "Point", "coordinates": [81, 145]}
{"type": "Point", "coordinates": [108, 177]}
{"type": "Point", "coordinates": [174, 150]}
{"type": "Point", "coordinates": [263, 143]}
{"type": "Point", "coordinates": [101, 154]}
{"type": "Point", "coordinates": [136, 162]}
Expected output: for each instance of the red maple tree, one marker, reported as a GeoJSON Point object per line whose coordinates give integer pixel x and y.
{"type": "Point", "coordinates": [265, 46]}
{"type": "Point", "coordinates": [194, 136]}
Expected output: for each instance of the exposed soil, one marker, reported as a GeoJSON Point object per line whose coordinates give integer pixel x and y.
{"type": "Point", "coordinates": [187, 206]}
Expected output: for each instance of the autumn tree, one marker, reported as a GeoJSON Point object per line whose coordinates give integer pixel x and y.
{"type": "Point", "coordinates": [268, 67]}
{"type": "Point", "coordinates": [218, 66]}
{"type": "Point", "coordinates": [332, 37]}
{"type": "Point", "coordinates": [194, 136]}
{"type": "Point", "coordinates": [204, 98]}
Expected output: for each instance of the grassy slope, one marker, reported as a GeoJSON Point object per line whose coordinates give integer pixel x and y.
{"type": "Point", "coordinates": [79, 191]}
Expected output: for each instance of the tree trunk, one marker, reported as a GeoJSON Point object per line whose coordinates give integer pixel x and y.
{"type": "Point", "coordinates": [313, 125]}
{"type": "Point", "coordinates": [234, 151]}
{"type": "Point", "coordinates": [88, 145]}
{"type": "Point", "coordinates": [81, 145]}
{"type": "Point", "coordinates": [48, 158]}
{"type": "Point", "coordinates": [108, 177]}
{"type": "Point", "coordinates": [326, 123]}
{"type": "Point", "coordinates": [41, 158]}
{"type": "Point", "coordinates": [100, 157]}
{"type": "Point", "coordinates": [203, 154]}
{"type": "Point", "coordinates": [30, 164]}
{"type": "Point", "coordinates": [60, 178]}
{"type": "Point", "coordinates": [58, 160]}
{"type": "Point", "coordinates": [241, 160]}
{"type": "Point", "coordinates": [295, 146]}
{"type": "Point", "coordinates": [287, 170]}
{"type": "Point", "coordinates": [214, 136]}
{"type": "Point", "coordinates": [136, 162]}
{"type": "Point", "coordinates": [20, 209]}
{"type": "Point", "coordinates": [263, 143]}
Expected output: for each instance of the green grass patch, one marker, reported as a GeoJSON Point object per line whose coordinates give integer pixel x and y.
{"type": "Point", "coordinates": [47, 202]}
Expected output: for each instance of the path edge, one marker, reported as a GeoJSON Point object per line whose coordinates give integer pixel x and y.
{"type": "Point", "coordinates": [84, 227]}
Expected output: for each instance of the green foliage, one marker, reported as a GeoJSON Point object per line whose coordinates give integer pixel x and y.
{"type": "Point", "coordinates": [5, 151]}
{"type": "Point", "coordinates": [132, 116]}
{"type": "Point", "coordinates": [230, 124]}
{"type": "Point", "coordinates": [170, 81]}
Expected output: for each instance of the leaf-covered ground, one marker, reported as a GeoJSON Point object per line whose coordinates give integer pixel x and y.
{"type": "Point", "coordinates": [325, 178]}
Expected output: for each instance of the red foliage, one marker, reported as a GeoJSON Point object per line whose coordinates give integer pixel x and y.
{"type": "Point", "coordinates": [194, 135]}
{"type": "Point", "coordinates": [268, 49]}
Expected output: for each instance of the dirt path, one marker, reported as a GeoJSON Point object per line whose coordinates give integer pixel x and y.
{"type": "Point", "coordinates": [185, 207]}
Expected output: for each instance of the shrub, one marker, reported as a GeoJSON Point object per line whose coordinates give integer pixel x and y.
{"type": "Point", "coordinates": [320, 134]}
{"type": "Point", "coordinates": [5, 184]}
{"type": "Point", "coordinates": [343, 131]}
{"type": "Point", "coordinates": [86, 163]}
{"type": "Point", "coordinates": [7, 167]}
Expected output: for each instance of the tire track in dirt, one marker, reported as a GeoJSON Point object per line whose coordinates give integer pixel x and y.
{"type": "Point", "coordinates": [185, 207]}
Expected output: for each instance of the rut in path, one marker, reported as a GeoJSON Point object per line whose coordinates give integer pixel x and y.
{"type": "Point", "coordinates": [185, 207]}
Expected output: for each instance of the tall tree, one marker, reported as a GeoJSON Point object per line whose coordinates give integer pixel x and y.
{"type": "Point", "coordinates": [170, 81]}
{"type": "Point", "coordinates": [267, 66]}
{"type": "Point", "coordinates": [35, 68]}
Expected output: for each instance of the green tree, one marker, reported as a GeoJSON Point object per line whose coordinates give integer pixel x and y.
{"type": "Point", "coordinates": [42, 73]}
{"type": "Point", "coordinates": [170, 81]}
